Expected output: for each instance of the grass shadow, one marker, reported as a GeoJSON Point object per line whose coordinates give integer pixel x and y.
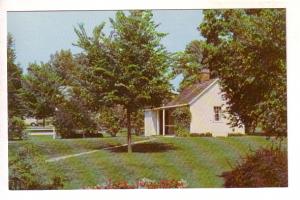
{"type": "Point", "coordinates": [153, 147]}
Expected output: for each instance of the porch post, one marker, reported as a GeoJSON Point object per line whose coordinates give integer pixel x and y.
{"type": "Point", "coordinates": [157, 122]}
{"type": "Point", "coordinates": [164, 122]}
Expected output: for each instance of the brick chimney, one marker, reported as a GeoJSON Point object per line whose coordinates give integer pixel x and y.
{"type": "Point", "coordinates": [204, 75]}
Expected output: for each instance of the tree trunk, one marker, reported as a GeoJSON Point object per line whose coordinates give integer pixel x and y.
{"type": "Point", "coordinates": [129, 131]}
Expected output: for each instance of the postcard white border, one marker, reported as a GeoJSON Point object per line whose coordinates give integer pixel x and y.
{"type": "Point", "coordinates": [293, 44]}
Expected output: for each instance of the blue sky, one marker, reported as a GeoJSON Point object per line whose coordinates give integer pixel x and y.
{"type": "Point", "coordinates": [37, 35]}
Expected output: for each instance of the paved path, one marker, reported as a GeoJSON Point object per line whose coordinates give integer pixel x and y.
{"type": "Point", "coordinates": [89, 152]}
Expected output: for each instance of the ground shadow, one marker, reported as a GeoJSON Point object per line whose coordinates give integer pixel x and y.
{"type": "Point", "coordinates": [154, 147]}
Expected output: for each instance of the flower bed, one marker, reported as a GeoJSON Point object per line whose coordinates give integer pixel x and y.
{"type": "Point", "coordinates": [142, 184]}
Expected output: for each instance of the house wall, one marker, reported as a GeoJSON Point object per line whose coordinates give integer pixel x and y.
{"type": "Point", "coordinates": [202, 111]}
{"type": "Point", "coordinates": [150, 122]}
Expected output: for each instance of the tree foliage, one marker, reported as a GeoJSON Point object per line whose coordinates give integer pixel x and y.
{"type": "Point", "coordinates": [16, 127]}
{"type": "Point", "coordinates": [16, 108]}
{"type": "Point", "coordinates": [52, 90]}
{"type": "Point", "coordinates": [72, 119]}
{"type": "Point", "coordinates": [188, 63]}
{"type": "Point", "coordinates": [111, 118]}
{"type": "Point", "coordinates": [247, 48]}
{"type": "Point", "coordinates": [182, 119]}
{"type": "Point", "coordinates": [182, 116]}
{"type": "Point", "coordinates": [41, 89]}
{"type": "Point", "coordinates": [129, 67]}
{"type": "Point", "coordinates": [14, 83]}
{"type": "Point", "coordinates": [138, 122]}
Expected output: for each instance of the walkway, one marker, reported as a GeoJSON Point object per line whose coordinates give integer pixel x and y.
{"type": "Point", "coordinates": [93, 151]}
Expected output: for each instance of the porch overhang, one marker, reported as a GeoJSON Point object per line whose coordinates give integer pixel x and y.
{"type": "Point", "coordinates": [166, 107]}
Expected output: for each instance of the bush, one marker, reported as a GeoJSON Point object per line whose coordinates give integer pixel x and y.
{"type": "Point", "coordinates": [265, 168]}
{"type": "Point", "coordinates": [182, 121]}
{"type": "Point", "coordinates": [235, 134]}
{"type": "Point", "coordinates": [71, 117]}
{"type": "Point", "coordinates": [16, 127]}
{"type": "Point", "coordinates": [181, 131]}
{"type": "Point", "coordinates": [109, 119]}
{"type": "Point", "coordinates": [207, 134]}
{"type": "Point", "coordinates": [182, 116]}
{"type": "Point", "coordinates": [142, 184]}
{"type": "Point", "coordinates": [28, 171]}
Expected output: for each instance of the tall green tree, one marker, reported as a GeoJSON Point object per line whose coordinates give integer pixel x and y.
{"type": "Point", "coordinates": [14, 81]}
{"type": "Point", "coordinates": [127, 68]}
{"type": "Point", "coordinates": [16, 124]}
{"type": "Point", "coordinates": [247, 48]}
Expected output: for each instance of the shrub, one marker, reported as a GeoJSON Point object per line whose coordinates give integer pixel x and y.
{"type": "Point", "coordinates": [181, 131]}
{"type": "Point", "coordinates": [142, 184]}
{"type": "Point", "coordinates": [16, 127]}
{"type": "Point", "coordinates": [71, 117]}
{"type": "Point", "coordinates": [182, 116]}
{"type": "Point", "coordinates": [109, 119]}
{"type": "Point", "coordinates": [264, 168]}
{"type": "Point", "coordinates": [28, 171]}
{"type": "Point", "coordinates": [182, 120]}
{"type": "Point", "coordinates": [207, 134]}
{"type": "Point", "coordinates": [235, 134]}
{"type": "Point", "coordinates": [94, 134]}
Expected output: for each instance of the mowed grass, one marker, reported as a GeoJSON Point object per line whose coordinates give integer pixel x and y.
{"type": "Point", "coordinates": [50, 148]}
{"type": "Point", "coordinates": [199, 161]}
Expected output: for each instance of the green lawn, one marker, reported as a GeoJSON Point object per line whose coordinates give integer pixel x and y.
{"type": "Point", "coordinates": [197, 160]}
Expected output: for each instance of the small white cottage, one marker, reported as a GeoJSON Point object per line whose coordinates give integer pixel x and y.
{"type": "Point", "coordinates": [207, 107]}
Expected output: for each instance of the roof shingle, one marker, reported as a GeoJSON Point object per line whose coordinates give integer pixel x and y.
{"type": "Point", "coordinates": [189, 93]}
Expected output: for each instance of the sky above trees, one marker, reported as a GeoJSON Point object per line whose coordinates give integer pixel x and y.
{"type": "Point", "coordinates": [37, 35]}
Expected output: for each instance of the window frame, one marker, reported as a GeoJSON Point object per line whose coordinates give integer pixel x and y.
{"type": "Point", "coordinates": [217, 113]}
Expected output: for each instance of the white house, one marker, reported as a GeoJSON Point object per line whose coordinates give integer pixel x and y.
{"type": "Point", "coordinates": [207, 107]}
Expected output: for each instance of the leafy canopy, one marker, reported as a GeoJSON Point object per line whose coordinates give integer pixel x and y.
{"type": "Point", "coordinates": [247, 48]}
{"type": "Point", "coordinates": [14, 83]}
{"type": "Point", "coordinates": [130, 66]}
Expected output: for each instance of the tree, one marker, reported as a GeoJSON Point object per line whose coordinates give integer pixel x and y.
{"type": "Point", "coordinates": [188, 63]}
{"type": "Point", "coordinates": [127, 68]}
{"type": "Point", "coordinates": [41, 90]}
{"type": "Point", "coordinates": [247, 48]}
{"type": "Point", "coordinates": [51, 90]}
{"type": "Point", "coordinates": [16, 125]}
{"type": "Point", "coordinates": [14, 82]}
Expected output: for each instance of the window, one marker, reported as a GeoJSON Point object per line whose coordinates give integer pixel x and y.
{"type": "Point", "coordinates": [217, 112]}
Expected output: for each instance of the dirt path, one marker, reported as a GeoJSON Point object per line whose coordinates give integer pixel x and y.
{"type": "Point", "coordinates": [93, 151]}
